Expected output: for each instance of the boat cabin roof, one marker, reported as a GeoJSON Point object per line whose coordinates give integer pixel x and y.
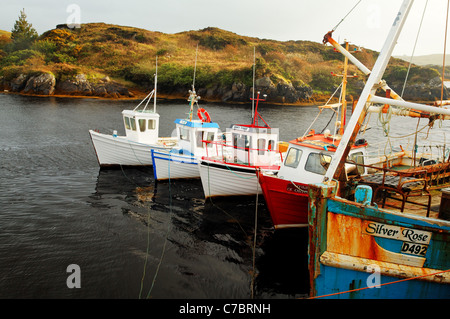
{"type": "Point", "coordinates": [324, 142]}
{"type": "Point", "coordinates": [253, 129]}
{"type": "Point", "coordinates": [196, 123]}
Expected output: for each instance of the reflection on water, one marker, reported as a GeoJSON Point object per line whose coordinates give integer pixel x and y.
{"type": "Point", "coordinates": [201, 249]}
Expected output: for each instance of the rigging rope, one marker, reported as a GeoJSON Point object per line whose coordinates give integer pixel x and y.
{"type": "Point", "coordinates": [346, 16]}
{"type": "Point", "coordinates": [414, 49]}
{"type": "Point", "coordinates": [385, 284]}
{"type": "Point", "coordinates": [443, 62]}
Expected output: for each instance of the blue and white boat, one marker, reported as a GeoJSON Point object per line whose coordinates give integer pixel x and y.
{"type": "Point", "coordinates": [357, 249]}
{"type": "Point", "coordinates": [196, 138]}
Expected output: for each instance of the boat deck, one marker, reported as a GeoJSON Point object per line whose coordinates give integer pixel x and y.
{"type": "Point", "coordinates": [394, 203]}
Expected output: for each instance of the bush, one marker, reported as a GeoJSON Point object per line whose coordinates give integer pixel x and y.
{"type": "Point", "coordinates": [323, 81]}
{"type": "Point", "coordinates": [20, 57]}
{"type": "Point", "coordinates": [45, 46]}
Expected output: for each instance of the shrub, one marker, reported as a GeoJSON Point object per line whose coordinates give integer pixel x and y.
{"type": "Point", "coordinates": [20, 57]}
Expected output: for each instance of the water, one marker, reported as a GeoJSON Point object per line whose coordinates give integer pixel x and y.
{"type": "Point", "coordinates": [130, 237]}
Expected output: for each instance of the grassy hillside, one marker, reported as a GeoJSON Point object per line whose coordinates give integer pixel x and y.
{"type": "Point", "coordinates": [127, 55]}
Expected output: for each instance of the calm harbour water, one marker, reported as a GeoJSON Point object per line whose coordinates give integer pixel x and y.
{"type": "Point", "coordinates": [130, 237]}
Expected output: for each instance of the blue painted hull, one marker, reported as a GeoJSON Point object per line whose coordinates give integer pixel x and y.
{"type": "Point", "coordinates": [339, 283]}
{"type": "Point", "coordinates": [353, 247]}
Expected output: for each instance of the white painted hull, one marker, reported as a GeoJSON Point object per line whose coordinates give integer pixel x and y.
{"type": "Point", "coordinates": [118, 150]}
{"type": "Point", "coordinates": [174, 166]}
{"type": "Point", "coordinates": [226, 179]}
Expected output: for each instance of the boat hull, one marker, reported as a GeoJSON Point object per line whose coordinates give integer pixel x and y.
{"type": "Point", "coordinates": [118, 150]}
{"type": "Point", "coordinates": [287, 201]}
{"type": "Point", "coordinates": [359, 251]}
{"type": "Point", "coordinates": [169, 165]}
{"type": "Point", "coordinates": [228, 179]}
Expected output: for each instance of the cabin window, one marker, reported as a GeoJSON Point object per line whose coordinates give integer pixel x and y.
{"type": "Point", "coordinates": [127, 123]}
{"type": "Point", "coordinates": [235, 139]}
{"type": "Point", "coordinates": [271, 145]}
{"type": "Point", "coordinates": [184, 134]}
{"type": "Point", "coordinates": [261, 146]}
{"type": "Point", "coordinates": [203, 138]}
{"type": "Point", "coordinates": [293, 157]}
{"type": "Point", "coordinates": [151, 124]}
{"type": "Point", "coordinates": [141, 125]}
{"type": "Point", "coordinates": [316, 162]}
{"type": "Point", "coordinates": [210, 137]}
{"type": "Point", "coordinates": [199, 135]}
{"type": "Point", "coordinates": [133, 124]}
{"type": "Point", "coordinates": [359, 159]}
{"type": "Point", "coordinates": [241, 141]}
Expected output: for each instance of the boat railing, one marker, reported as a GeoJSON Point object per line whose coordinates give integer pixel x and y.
{"type": "Point", "coordinates": [227, 153]}
{"type": "Point", "coordinates": [388, 183]}
{"type": "Point", "coordinates": [437, 173]}
{"type": "Point", "coordinates": [433, 149]}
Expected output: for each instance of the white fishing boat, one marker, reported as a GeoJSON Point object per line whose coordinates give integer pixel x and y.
{"type": "Point", "coordinates": [197, 137]}
{"type": "Point", "coordinates": [246, 149]}
{"type": "Point", "coordinates": [133, 149]}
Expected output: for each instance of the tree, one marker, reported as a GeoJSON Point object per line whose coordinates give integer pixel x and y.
{"type": "Point", "coordinates": [23, 34]}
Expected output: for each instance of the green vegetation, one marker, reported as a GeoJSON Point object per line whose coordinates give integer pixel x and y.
{"type": "Point", "coordinates": [127, 55]}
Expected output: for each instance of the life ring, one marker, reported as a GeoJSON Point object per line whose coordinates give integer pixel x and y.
{"type": "Point", "coordinates": [203, 115]}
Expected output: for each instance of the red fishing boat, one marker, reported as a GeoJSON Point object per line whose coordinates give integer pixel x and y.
{"type": "Point", "coordinates": [286, 192]}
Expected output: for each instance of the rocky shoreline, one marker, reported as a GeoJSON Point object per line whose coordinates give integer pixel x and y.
{"type": "Point", "coordinates": [45, 84]}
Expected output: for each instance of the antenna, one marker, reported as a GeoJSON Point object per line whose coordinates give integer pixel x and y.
{"type": "Point", "coordinates": [195, 69]}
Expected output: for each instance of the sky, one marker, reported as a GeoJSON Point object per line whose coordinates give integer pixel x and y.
{"type": "Point", "coordinates": [367, 25]}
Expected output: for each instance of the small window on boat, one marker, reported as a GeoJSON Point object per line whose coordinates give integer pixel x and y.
{"type": "Point", "coordinates": [127, 123]}
{"type": "Point", "coordinates": [151, 124]}
{"type": "Point", "coordinates": [133, 124]}
{"type": "Point", "coordinates": [235, 140]}
{"type": "Point", "coordinates": [315, 163]}
{"type": "Point", "coordinates": [261, 146]}
{"type": "Point", "coordinates": [293, 157]}
{"type": "Point", "coordinates": [199, 137]}
{"type": "Point", "coordinates": [271, 145]}
{"type": "Point", "coordinates": [184, 134]}
{"type": "Point", "coordinates": [142, 125]}
{"type": "Point", "coordinates": [210, 138]}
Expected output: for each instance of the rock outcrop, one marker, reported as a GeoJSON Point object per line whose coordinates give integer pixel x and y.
{"type": "Point", "coordinates": [47, 84]}
{"type": "Point", "coordinates": [42, 84]}
{"type": "Point", "coordinates": [239, 92]}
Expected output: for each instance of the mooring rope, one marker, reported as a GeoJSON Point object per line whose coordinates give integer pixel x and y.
{"type": "Point", "coordinates": [252, 286]}
{"type": "Point", "coordinates": [169, 223]}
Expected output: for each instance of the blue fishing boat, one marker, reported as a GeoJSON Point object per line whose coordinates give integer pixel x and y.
{"type": "Point", "coordinates": [359, 249]}
{"type": "Point", "coordinates": [196, 138]}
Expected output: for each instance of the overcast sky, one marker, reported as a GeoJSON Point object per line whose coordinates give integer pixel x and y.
{"type": "Point", "coordinates": [367, 25]}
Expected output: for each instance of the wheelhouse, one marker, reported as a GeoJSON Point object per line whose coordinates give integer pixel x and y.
{"type": "Point", "coordinates": [141, 126]}
{"type": "Point", "coordinates": [307, 159]}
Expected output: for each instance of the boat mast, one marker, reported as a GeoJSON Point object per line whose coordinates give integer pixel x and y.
{"type": "Point", "coordinates": [337, 164]}
{"type": "Point", "coordinates": [156, 80]}
{"type": "Point", "coordinates": [193, 98]}
{"type": "Point", "coordinates": [344, 92]}
{"type": "Point", "coordinates": [253, 92]}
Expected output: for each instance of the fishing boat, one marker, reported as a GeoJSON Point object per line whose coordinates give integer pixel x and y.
{"type": "Point", "coordinates": [358, 249]}
{"type": "Point", "coordinates": [197, 137]}
{"type": "Point", "coordinates": [141, 136]}
{"type": "Point", "coordinates": [246, 149]}
{"type": "Point", "coordinates": [286, 191]}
